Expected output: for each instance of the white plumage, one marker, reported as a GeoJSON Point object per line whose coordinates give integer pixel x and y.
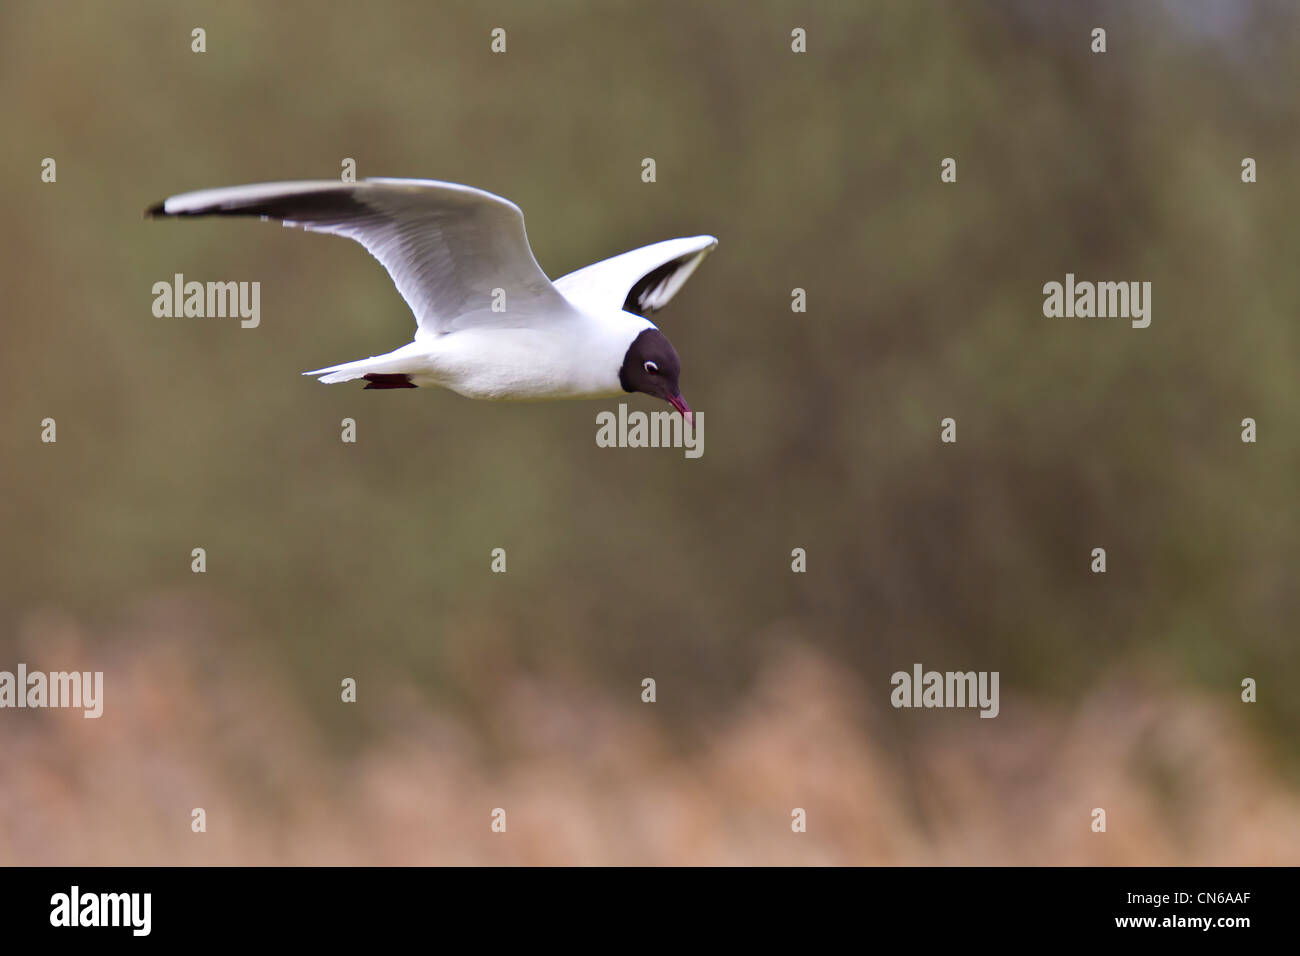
{"type": "Point", "coordinates": [489, 323]}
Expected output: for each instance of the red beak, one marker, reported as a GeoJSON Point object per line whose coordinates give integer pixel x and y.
{"type": "Point", "coordinates": [679, 403]}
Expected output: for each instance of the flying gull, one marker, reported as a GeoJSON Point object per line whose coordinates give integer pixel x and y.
{"type": "Point", "coordinates": [489, 324]}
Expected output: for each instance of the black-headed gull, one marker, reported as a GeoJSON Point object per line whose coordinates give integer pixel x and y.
{"type": "Point", "coordinates": [489, 323]}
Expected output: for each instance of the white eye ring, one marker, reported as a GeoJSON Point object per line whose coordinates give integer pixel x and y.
{"type": "Point", "coordinates": [652, 368]}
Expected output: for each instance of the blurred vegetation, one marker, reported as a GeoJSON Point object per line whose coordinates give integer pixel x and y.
{"type": "Point", "coordinates": [818, 171]}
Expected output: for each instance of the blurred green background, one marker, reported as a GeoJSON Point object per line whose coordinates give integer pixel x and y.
{"type": "Point", "coordinates": [818, 171]}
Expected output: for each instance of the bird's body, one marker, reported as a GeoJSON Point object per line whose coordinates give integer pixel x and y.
{"type": "Point", "coordinates": [489, 323]}
{"type": "Point", "coordinates": [574, 355]}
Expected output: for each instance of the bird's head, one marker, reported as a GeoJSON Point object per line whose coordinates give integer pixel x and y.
{"type": "Point", "coordinates": [651, 365]}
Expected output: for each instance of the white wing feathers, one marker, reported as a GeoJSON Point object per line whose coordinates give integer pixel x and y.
{"type": "Point", "coordinates": [448, 247]}
{"type": "Point", "coordinates": [453, 250]}
{"type": "Point", "coordinates": [640, 281]}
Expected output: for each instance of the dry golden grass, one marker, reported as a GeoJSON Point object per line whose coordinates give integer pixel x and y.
{"type": "Point", "coordinates": [588, 780]}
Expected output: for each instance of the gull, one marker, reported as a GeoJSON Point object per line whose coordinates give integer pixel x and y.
{"type": "Point", "coordinates": [489, 324]}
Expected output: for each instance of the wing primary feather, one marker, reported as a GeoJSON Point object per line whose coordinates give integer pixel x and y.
{"type": "Point", "coordinates": [641, 296]}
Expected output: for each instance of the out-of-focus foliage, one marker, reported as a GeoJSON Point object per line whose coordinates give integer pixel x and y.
{"type": "Point", "coordinates": [818, 171]}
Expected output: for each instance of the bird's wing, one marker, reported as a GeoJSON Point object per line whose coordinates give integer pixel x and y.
{"type": "Point", "coordinates": [458, 255]}
{"type": "Point", "coordinates": [640, 281]}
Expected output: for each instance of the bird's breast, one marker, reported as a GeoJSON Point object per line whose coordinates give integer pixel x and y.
{"type": "Point", "coordinates": [525, 364]}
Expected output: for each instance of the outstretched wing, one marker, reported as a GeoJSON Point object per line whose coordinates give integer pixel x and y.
{"type": "Point", "coordinates": [641, 281]}
{"type": "Point", "coordinates": [453, 251]}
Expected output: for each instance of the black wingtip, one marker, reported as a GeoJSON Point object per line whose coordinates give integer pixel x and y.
{"type": "Point", "coordinates": [155, 211]}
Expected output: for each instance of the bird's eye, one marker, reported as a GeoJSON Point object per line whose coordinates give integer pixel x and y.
{"type": "Point", "coordinates": [652, 368]}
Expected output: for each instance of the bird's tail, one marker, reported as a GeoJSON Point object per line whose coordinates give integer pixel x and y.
{"type": "Point", "coordinates": [381, 371]}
